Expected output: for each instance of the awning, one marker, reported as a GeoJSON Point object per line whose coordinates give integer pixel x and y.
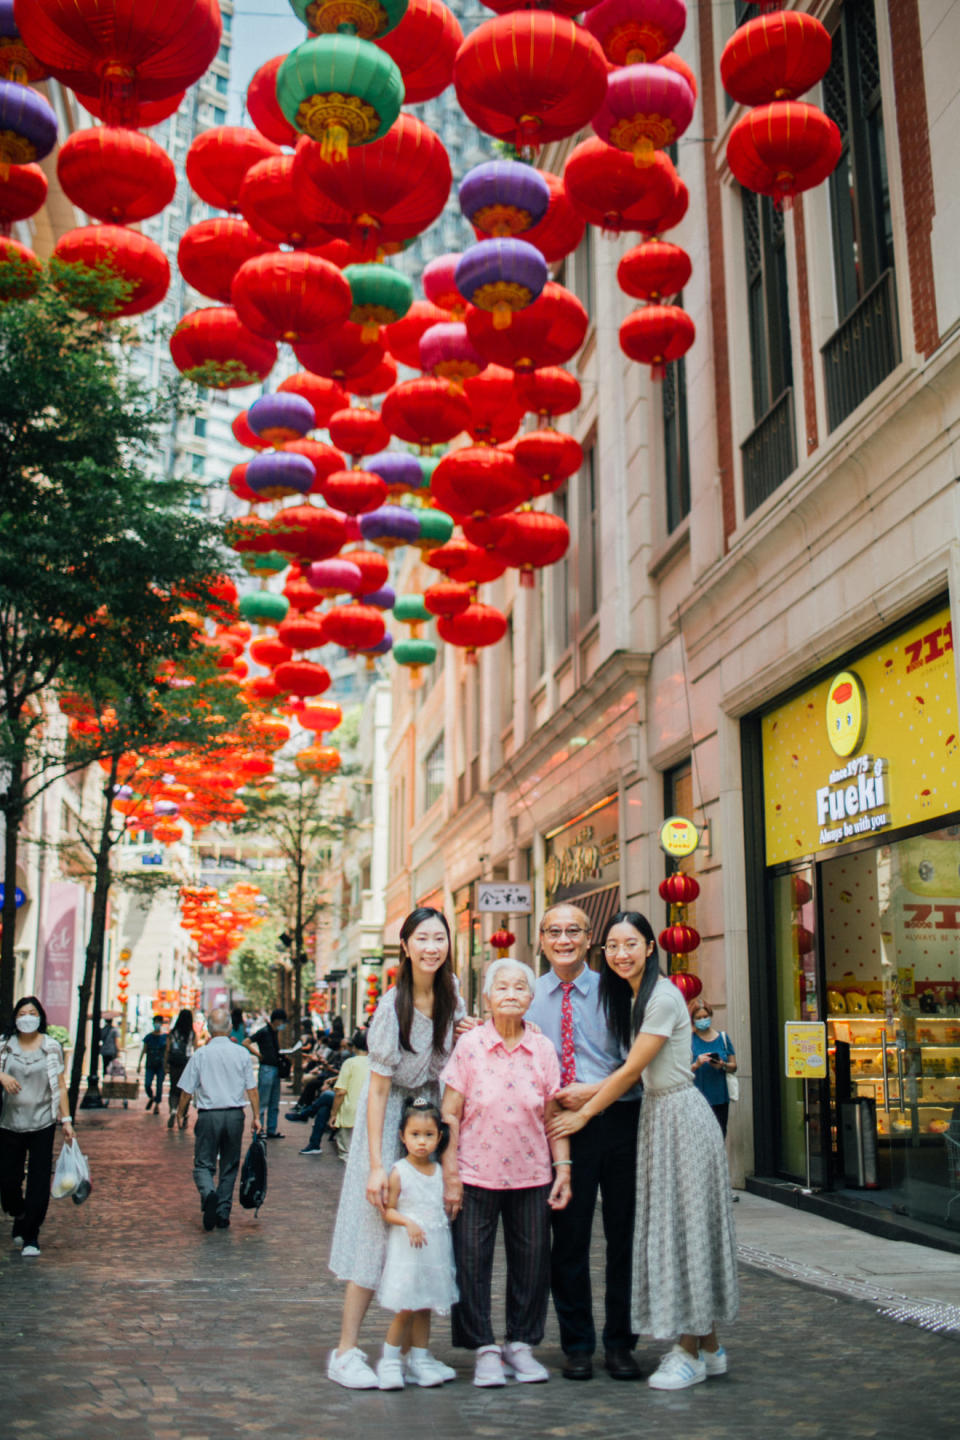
{"type": "Point", "coordinates": [599, 905]}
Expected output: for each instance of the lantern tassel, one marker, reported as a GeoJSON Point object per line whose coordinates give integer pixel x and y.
{"type": "Point", "coordinates": [643, 152]}
{"type": "Point", "coordinates": [333, 146]}
{"type": "Point", "coordinates": [502, 316]}
{"type": "Point", "coordinates": [370, 332]}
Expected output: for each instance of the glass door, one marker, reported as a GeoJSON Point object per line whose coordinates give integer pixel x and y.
{"type": "Point", "coordinates": [799, 998]}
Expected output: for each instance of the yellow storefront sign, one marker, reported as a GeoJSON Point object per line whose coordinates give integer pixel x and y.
{"type": "Point", "coordinates": [868, 749]}
{"type": "Point", "coordinates": [805, 1049]}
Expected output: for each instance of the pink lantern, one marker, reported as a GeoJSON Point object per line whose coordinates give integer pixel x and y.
{"type": "Point", "coordinates": [440, 286]}
{"type": "Point", "coordinates": [647, 108]}
{"type": "Point", "coordinates": [630, 33]}
{"type": "Point", "coordinates": [447, 350]}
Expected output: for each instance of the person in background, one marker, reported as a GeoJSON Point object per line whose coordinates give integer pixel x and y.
{"type": "Point", "coordinates": [220, 1075]}
{"type": "Point", "coordinates": [346, 1093]}
{"type": "Point", "coordinates": [265, 1044]}
{"type": "Point", "coordinates": [108, 1045]}
{"type": "Point", "coordinates": [713, 1060]}
{"type": "Point", "coordinates": [34, 1097]}
{"type": "Point", "coordinates": [238, 1030]}
{"type": "Point", "coordinates": [154, 1050]}
{"type": "Point", "coordinates": [321, 1111]}
{"type": "Point", "coordinates": [181, 1043]}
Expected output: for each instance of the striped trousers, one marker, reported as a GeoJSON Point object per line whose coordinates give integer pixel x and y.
{"type": "Point", "coordinates": [526, 1239]}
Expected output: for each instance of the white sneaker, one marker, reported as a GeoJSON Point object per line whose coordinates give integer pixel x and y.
{"type": "Point", "coordinates": [390, 1373]}
{"type": "Point", "coordinates": [29, 1251]}
{"type": "Point", "coordinates": [677, 1371]}
{"type": "Point", "coordinates": [715, 1361]}
{"type": "Point", "coordinates": [446, 1372]}
{"type": "Point", "coordinates": [17, 1242]}
{"type": "Point", "coordinates": [422, 1370]}
{"type": "Point", "coordinates": [518, 1359]}
{"type": "Point", "coordinates": [488, 1370]}
{"type": "Point", "coordinates": [351, 1370]}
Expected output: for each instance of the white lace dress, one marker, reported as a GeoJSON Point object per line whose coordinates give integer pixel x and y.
{"type": "Point", "coordinates": [360, 1235]}
{"type": "Point", "coordinates": [424, 1278]}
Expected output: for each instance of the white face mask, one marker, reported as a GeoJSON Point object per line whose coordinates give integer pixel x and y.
{"type": "Point", "coordinates": [28, 1024]}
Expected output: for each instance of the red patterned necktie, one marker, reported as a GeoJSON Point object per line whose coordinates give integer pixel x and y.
{"type": "Point", "coordinates": [568, 1060]}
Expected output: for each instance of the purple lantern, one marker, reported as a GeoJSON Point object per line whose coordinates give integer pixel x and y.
{"type": "Point", "coordinates": [399, 471]}
{"type": "Point", "coordinates": [501, 276]}
{"type": "Point", "coordinates": [447, 350]}
{"type": "Point", "coordinates": [28, 126]}
{"type": "Point", "coordinates": [389, 526]}
{"type": "Point", "coordinates": [384, 599]}
{"type": "Point", "coordinates": [166, 809]}
{"type": "Point", "coordinates": [277, 473]}
{"type": "Point", "coordinates": [281, 417]}
{"type": "Point", "coordinates": [503, 197]}
{"type": "Point", "coordinates": [17, 63]}
{"type": "Point", "coordinates": [338, 576]}
{"type": "Point", "coordinates": [383, 647]}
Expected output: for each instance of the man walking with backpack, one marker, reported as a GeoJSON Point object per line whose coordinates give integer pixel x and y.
{"type": "Point", "coordinates": [220, 1077]}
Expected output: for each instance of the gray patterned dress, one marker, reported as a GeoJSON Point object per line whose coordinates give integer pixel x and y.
{"type": "Point", "coordinates": [684, 1247]}
{"type": "Point", "coordinates": [360, 1235]}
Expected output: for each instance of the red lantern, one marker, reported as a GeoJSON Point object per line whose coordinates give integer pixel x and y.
{"type": "Point", "coordinates": [465, 563]}
{"type": "Point", "coordinates": [358, 431]}
{"type": "Point", "coordinates": [354, 491]}
{"type": "Point", "coordinates": [478, 480]}
{"type": "Point", "coordinates": [263, 106]}
{"type": "Point", "coordinates": [673, 62]}
{"type": "Point", "coordinates": [402, 338]}
{"type": "Point", "coordinates": [532, 539]}
{"type": "Point", "coordinates": [321, 718]}
{"type": "Point", "coordinates": [495, 410]}
{"type": "Point", "coordinates": [374, 569]}
{"type": "Point", "coordinates": [548, 332]}
{"type": "Point", "coordinates": [474, 627]}
{"type": "Point", "coordinates": [324, 459]}
{"type": "Point", "coordinates": [355, 627]}
{"type": "Point", "coordinates": [340, 354]}
{"type": "Point", "coordinates": [317, 760]}
{"type": "Point", "coordinates": [608, 189]}
{"type": "Point", "coordinates": [139, 116]}
{"type": "Point", "coordinates": [501, 940]}
{"type": "Point", "coordinates": [299, 591]}
{"type": "Point", "coordinates": [689, 985]}
{"type": "Point", "coordinates": [801, 890]}
{"type": "Point", "coordinates": [302, 677]}
{"type": "Point", "coordinates": [549, 392]}
{"type": "Point", "coordinates": [128, 254]}
{"type": "Point", "coordinates": [655, 270]}
{"type": "Point", "coordinates": [447, 597]}
{"type": "Point", "coordinates": [803, 940]}
{"type": "Point", "coordinates": [775, 57]}
{"type": "Point", "coordinates": [632, 34]}
{"type": "Point", "coordinates": [115, 174]}
{"type": "Point", "coordinates": [529, 77]}
{"type": "Point", "coordinates": [561, 229]}
{"type": "Point", "coordinates": [271, 200]}
{"type": "Point", "coordinates": [286, 296]}
{"type": "Point", "coordinates": [303, 630]}
{"type": "Point", "coordinates": [657, 335]}
{"type": "Point", "coordinates": [679, 939]}
{"type": "Point", "coordinates": [211, 252]}
{"type": "Point", "coordinates": [325, 396]}
{"type": "Point", "coordinates": [21, 194]}
{"type": "Point", "coordinates": [377, 381]}
{"type": "Point", "coordinates": [307, 532]}
{"type": "Point", "coordinates": [243, 434]}
{"type": "Point", "coordinates": [679, 889]}
{"type": "Point", "coordinates": [269, 652]}
{"type": "Point", "coordinates": [237, 480]}
{"type": "Point", "coordinates": [215, 349]}
{"type": "Point", "coordinates": [218, 162]}
{"type": "Point", "coordinates": [424, 46]}
{"type": "Point", "coordinates": [783, 149]}
{"type": "Point", "coordinates": [425, 412]}
{"type": "Point", "coordinates": [549, 457]}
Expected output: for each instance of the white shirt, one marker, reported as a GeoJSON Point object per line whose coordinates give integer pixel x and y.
{"type": "Point", "coordinates": [218, 1075]}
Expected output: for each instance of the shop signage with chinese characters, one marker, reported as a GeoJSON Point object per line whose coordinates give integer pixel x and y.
{"type": "Point", "coordinates": [508, 897]}
{"type": "Point", "coordinates": [805, 1049]}
{"type": "Point", "coordinates": [584, 854]}
{"type": "Point", "coordinates": [870, 748]}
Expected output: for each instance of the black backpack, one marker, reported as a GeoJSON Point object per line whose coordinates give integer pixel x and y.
{"type": "Point", "coordinates": [253, 1175]}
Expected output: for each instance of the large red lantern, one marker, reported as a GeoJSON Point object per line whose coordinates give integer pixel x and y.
{"type": "Point", "coordinates": [355, 492]}
{"type": "Point", "coordinates": [478, 480]}
{"type": "Point", "coordinates": [561, 230]}
{"type": "Point", "coordinates": [655, 270]}
{"type": "Point", "coordinates": [374, 569]}
{"type": "Point", "coordinates": [130, 255]}
{"type": "Point", "coordinates": [290, 297]}
{"type": "Point", "coordinates": [610, 191]}
{"type": "Point", "coordinates": [425, 412]}
{"type": "Point", "coordinates": [548, 457]}
{"type": "Point", "coordinates": [268, 651]}
{"type": "Point", "coordinates": [218, 162]}
{"type": "Point", "coordinates": [340, 354]}
{"type": "Point", "coordinates": [308, 532]}
{"type": "Point", "coordinates": [548, 332]}
{"type": "Point", "coordinates": [775, 57]}
{"type": "Point", "coordinates": [495, 413]}
{"type": "Point", "coordinates": [424, 46]}
{"type": "Point", "coordinates": [215, 349]}
{"type": "Point", "coordinates": [211, 252]}
{"type": "Point", "coordinates": [377, 381]}
{"type": "Point", "coordinates": [355, 627]}
{"type": "Point", "coordinates": [303, 630]}
{"type": "Point", "coordinates": [263, 107]}
{"type": "Point", "coordinates": [532, 539]}
{"type": "Point", "coordinates": [477, 626]}
{"type": "Point", "coordinates": [447, 597]}
{"type": "Point", "coordinates": [679, 889]}
{"type": "Point", "coordinates": [689, 985]}
{"type": "Point", "coordinates": [302, 677]}
{"type": "Point", "coordinates": [21, 194]}
{"type": "Point", "coordinates": [466, 563]}
{"type": "Point", "coordinates": [549, 392]}
{"type": "Point", "coordinates": [656, 335]}
{"type": "Point", "coordinates": [358, 430]}
{"type": "Point", "coordinates": [530, 77]}
{"type": "Point", "coordinates": [115, 174]}
{"type": "Point", "coordinates": [679, 939]}
{"type": "Point", "coordinates": [784, 148]}
{"type": "Point", "coordinates": [271, 201]}
{"type": "Point", "coordinates": [324, 459]}
{"type": "Point", "coordinates": [402, 338]}
{"type": "Point", "coordinates": [631, 34]}
{"type": "Point", "coordinates": [321, 718]}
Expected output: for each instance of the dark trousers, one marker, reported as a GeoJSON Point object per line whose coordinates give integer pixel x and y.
{"type": "Point", "coordinates": [322, 1113]}
{"type": "Point", "coordinates": [31, 1150]}
{"type": "Point", "coordinates": [154, 1079]}
{"type": "Point", "coordinates": [175, 1070]}
{"type": "Point", "coordinates": [604, 1156]}
{"type": "Point", "coordinates": [722, 1112]}
{"type": "Point", "coordinates": [218, 1134]}
{"type": "Point", "coordinates": [526, 1239]}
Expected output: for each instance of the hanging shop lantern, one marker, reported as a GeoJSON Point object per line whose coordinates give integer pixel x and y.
{"type": "Point", "coordinates": [503, 197]}
{"type": "Point", "coordinates": [355, 627]}
{"type": "Point", "coordinates": [475, 627]}
{"type": "Point", "coordinates": [529, 77]}
{"type": "Point", "coordinates": [390, 526]}
{"type": "Point", "coordinates": [655, 270]}
{"type": "Point", "coordinates": [317, 760]}
{"type": "Point", "coordinates": [548, 392]}
{"type": "Point", "coordinates": [495, 411]}
{"type": "Point", "coordinates": [403, 338]}
{"type": "Point", "coordinates": [325, 396]}
{"type": "Point", "coordinates": [355, 492]}
{"type": "Point", "coordinates": [304, 630]}
{"type": "Point", "coordinates": [630, 33]}
{"type": "Point", "coordinates": [783, 149]}
{"type": "Point", "coordinates": [298, 591]}
{"type": "Point", "coordinates": [341, 91]}
{"type": "Point", "coordinates": [424, 46]}
{"type": "Point", "coordinates": [141, 115]}
{"type": "Point", "coordinates": [689, 985]}
{"type": "Point", "coordinates": [679, 939]}
{"type": "Point", "coordinates": [373, 569]}
{"type": "Point", "coordinates": [324, 459]}
{"type": "Point", "coordinates": [116, 175]}
{"type": "Point", "coordinates": [374, 382]}
{"type": "Point", "coordinates": [548, 332]}
{"type": "Point", "coordinates": [308, 532]}
{"type": "Point", "coordinates": [338, 576]}
{"type": "Point", "coordinates": [214, 349]}
{"type": "Point", "coordinates": [548, 457]}
{"type": "Point", "coordinates": [271, 201]}
{"type": "Point", "coordinates": [607, 189]}
{"type": "Point", "coordinates": [28, 126]}
{"type": "Point", "coordinates": [291, 297]}
{"type": "Point", "coordinates": [321, 718]}
{"type": "Point", "coordinates": [400, 472]}
{"type": "Point", "coordinates": [561, 230]}
{"type": "Point", "coordinates": [447, 352]}
{"type": "Point", "coordinates": [211, 252]}
{"type": "Point", "coordinates": [218, 162]}
{"type": "Point", "coordinates": [478, 480]}
{"type": "Point", "coordinates": [775, 57]}
{"type": "Point", "coordinates": [358, 430]}
{"type": "Point", "coordinates": [281, 417]}
{"type": "Point", "coordinates": [22, 270]}
{"type": "Point", "coordinates": [447, 597]}
{"type": "Point", "coordinates": [22, 194]}
{"type": "Point", "coordinates": [380, 296]}
{"type": "Point", "coordinates": [656, 335]}
{"type": "Point", "coordinates": [425, 412]}
{"type": "Point", "coordinates": [262, 106]}
{"type": "Point", "coordinates": [647, 108]}
{"type": "Point", "coordinates": [466, 563]}
{"type": "Point", "coordinates": [302, 677]}
{"type": "Point", "coordinates": [679, 889]}
{"type": "Point", "coordinates": [128, 254]}
{"type": "Point", "coordinates": [502, 940]}
{"type": "Point", "coordinates": [340, 354]}
{"type": "Point", "coordinates": [501, 276]}
{"type": "Point", "coordinates": [532, 539]}
{"type": "Point", "coordinates": [277, 474]}
{"type": "Point", "coordinates": [268, 651]}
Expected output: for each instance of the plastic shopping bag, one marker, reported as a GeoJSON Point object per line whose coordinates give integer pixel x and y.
{"type": "Point", "coordinates": [71, 1173]}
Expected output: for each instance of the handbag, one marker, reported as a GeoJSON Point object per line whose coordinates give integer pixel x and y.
{"type": "Point", "coordinates": [733, 1084]}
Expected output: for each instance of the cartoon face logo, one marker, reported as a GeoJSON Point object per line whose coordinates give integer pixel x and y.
{"type": "Point", "coordinates": [846, 713]}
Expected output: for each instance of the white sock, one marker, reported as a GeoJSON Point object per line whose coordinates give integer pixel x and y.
{"type": "Point", "coordinates": [391, 1352]}
{"type": "Point", "coordinates": [418, 1352]}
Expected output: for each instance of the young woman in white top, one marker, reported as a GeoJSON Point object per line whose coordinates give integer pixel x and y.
{"type": "Point", "coordinates": [684, 1255]}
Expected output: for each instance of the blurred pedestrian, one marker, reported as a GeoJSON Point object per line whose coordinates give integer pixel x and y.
{"type": "Point", "coordinates": [713, 1060]}
{"type": "Point", "coordinates": [108, 1045]}
{"type": "Point", "coordinates": [265, 1044]}
{"type": "Point", "coordinates": [181, 1043]}
{"type": "Point", "coordinates": [346, 1094]}
{"type": "Point", "coordinates": [238, 1030]}
{"type": "Point", "coordinates": [154, 1050]}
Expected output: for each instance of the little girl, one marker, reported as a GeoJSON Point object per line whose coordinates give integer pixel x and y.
{"type": "Point", "coordinates": [419, 1273]}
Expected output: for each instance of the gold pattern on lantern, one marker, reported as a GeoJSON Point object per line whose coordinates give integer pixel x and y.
{"type": "Point", "coordinates": [502, 219]}
{"type": "Point", "coordinates": [337, 122]}
{"type": "Point", "coordinates": [365, 18]}
{"type": "Point", "coordinates": [643, 135]}
{"type": "Point", "coordinates": [502, 297]}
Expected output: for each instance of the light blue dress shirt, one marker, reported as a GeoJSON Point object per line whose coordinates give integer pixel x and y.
{"type": "Point", "coordinates": [595, 1049]}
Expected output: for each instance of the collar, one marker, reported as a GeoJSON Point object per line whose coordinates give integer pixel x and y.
{"type": "Point", "coordinates": [492, 1038]}
{"type": "Point", "coordinates": [580, 984]}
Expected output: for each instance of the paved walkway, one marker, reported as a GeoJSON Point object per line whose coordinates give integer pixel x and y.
{"type": "Point", "coordinates": [134, 1322]}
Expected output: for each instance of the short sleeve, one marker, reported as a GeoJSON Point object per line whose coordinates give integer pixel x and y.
{"type": "Point", "coordinates": [58, 1065]}
{"type": "Point", "coordinates": [456, 1072]}
{"type": "Point", "coordinates": [383, 1037]}
{"type": "Point", "coordinates": [729, 1044]}
{"type": "Point", "coordinates": [249, 1079]}
{"type": "Point", "coordinates": [662, 1012]}
{"type": "Point", "coordinates": [550, 1067]}
{"type": "Point", "coordinates": [188, 1080]}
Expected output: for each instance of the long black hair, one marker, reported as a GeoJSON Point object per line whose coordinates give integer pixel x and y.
{"type": "Point", "coordinates": [624, 1014]}
{"type": "Point", "coordinates": [444, 986]}
{"type": "Point", "coordinates": [183, 1024]}
{"type": "Point", "coordinates": [420, 1105]}
{"type": "Point", "coordinates": [27, 1000]}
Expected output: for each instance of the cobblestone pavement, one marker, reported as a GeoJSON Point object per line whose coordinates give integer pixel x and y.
{"type": "Point", "coordinates": [134, 1322]}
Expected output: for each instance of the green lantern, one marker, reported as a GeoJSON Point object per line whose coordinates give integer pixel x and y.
{"type": "Point", "coordinates": [414, 654]}
{"type": "Point", "coordinates": [411, 610]}
{"type": "Point", "coordinates": [340, 91]}
{"type": "Point", "coordinates": [436, 527]}
{"type": "Point", "coordinates": [270, 563]}
{"type": "Point", "coordinates": [262, 607]}
{"type": "Point", "coordinates": [428, 463]}
{"type": "Point", "coordinates": [367, 18]}
{"type": "Point", "coordinates": [380, 296]}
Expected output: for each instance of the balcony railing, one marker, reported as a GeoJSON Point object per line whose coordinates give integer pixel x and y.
{"type": "Point", "coordinates": [769, 453]}
{"type": "Point", "coordinates": [863, 351]}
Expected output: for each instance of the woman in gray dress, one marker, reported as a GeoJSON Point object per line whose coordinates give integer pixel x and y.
{"type": "Point", "coordinates": [409, 1042]}
{"type": "Point", "coordinates": [684, 1252]}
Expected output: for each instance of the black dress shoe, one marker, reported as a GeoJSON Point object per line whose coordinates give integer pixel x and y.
{"type": "Point", "coordinates": [223, 1222]}
{"type": "Point", "coordinates": [275, 1135]}
{"type": "Point", "coordinates": [577, 1365]}
{"type": "Point", "coordinates": [622, 1365]}
{"type": "Point", "coordinates": [209, 1208]}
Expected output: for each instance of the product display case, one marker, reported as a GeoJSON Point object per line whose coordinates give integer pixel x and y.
{"type": "Point", "coordinates": [909, 1065]}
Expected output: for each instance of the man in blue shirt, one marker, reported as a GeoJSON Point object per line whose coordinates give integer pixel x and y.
{"type": "Point", "coordinates": [154, 1049]}
{"type": "Point", "coordinates": [604, 1154]}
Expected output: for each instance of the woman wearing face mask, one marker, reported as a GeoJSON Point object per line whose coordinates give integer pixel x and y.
{"type": "Point", "coordinates": [409, 1041]}
{"type": "Point", "coordinates": [34, 1098]}
{"type": "Point", "coordinates": [713, 1060]}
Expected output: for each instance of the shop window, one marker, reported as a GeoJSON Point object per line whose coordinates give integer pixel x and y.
{"type": "Point", "coordinates": [769, 452]}
{"type": "Point", "coordinates": [588, 536]}
{"type": "Point", "coordinates": [676, 453]}
{"type": "Point", "coordinates": [434, 772]}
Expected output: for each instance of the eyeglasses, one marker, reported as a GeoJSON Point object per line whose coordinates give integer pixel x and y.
{"type": "Point", "coordinates": [572, 932]}
{"type": "Point", "coordinates": [629, 947]}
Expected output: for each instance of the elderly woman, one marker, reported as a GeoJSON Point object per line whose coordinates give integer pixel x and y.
{"type": "Point", "coordinates": [498, 1097]}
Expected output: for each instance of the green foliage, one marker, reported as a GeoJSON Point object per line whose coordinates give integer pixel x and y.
{"type": "Point", "coordinates": [98, 290]}
{"type": "Point", "coordinates": [253, 969]}
{"type": "Point", "coordinates": [221, 374]}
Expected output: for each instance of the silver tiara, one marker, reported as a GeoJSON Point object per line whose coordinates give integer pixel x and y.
{"type": "Point", "coordinates": [421, 1103]}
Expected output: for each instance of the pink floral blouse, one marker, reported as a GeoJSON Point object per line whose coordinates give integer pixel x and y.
{"type": "Point", "coordinates": [503, 1143]}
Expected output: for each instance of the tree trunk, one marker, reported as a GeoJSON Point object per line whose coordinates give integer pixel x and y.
{"type": "Point", "coordinates": [13, 809]}
{"type": "Point", "coordinates": [298, 971]}
{"type": "Point", "coordinates": [93, 963]}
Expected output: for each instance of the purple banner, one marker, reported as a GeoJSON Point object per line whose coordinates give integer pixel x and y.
{"type": "Point", "coordinates": [59, 951]}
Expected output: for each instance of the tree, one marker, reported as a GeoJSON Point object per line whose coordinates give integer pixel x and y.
{"type": "Point", "coordinates": [253, 969]}
{"type": "Point", "coordinates": [86, 536]}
